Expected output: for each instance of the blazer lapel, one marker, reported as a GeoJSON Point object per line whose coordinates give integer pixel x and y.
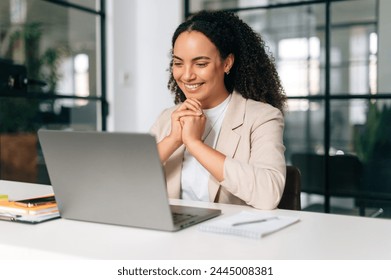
{"type": "Point", "coordinates": [229, 136]}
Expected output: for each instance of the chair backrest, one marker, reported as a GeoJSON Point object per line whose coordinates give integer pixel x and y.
{"type": "Point", "coordinates": [291, 196]}
{"type": "Point", "coordinates": [346, 172]}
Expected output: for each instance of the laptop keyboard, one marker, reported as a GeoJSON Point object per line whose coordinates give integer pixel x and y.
{"type": "Point", "coordinates": [180, 217]}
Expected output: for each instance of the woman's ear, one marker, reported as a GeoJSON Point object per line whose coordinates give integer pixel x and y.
{"type": "Point", "coordinates": [228, 63]}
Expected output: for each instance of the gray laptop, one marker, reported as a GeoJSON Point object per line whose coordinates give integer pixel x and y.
{"type": "Point", "coordinates": [113, 178]}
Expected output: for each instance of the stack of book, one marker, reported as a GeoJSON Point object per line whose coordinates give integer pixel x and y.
{"type": "Point", "coordinates": [32, 210]}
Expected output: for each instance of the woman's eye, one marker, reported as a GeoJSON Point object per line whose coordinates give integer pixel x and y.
{"type": "Point", "coordinates": [202, 65]}
{"type": "Point", "coordinates": [177, 64]}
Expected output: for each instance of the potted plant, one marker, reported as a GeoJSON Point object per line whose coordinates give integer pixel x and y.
{"type": "Point", "coordinates": [373, 147]}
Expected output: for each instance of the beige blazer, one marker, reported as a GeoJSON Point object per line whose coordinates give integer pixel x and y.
{"type": "Point", "coordinates": [251, 137]}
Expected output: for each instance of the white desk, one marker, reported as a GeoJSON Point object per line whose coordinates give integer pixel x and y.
{"type": "Point", "coordinates": [317, 236]}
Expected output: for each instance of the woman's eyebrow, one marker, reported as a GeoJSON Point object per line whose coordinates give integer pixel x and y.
{"type": "Point", "coordinates": [176, 57]}
{"type": "Point", "coordinates": [193, 59]}
{"type": "Point", "coordinates": [201, 57]}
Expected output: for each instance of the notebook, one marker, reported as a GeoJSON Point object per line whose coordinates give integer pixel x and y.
{"type": "Point", "coordinates": [249, 224]}
{"type": "Point", "coordinates": [113, 178]}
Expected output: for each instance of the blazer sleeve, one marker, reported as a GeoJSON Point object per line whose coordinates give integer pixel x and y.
{"type": "Point", "coordinates": [162, 126]}
{"type": "Point", "coordinates": [256, 173]}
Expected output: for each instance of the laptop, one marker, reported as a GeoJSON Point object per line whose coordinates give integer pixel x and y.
{"type": "Point", "coordinates": [113, 178]}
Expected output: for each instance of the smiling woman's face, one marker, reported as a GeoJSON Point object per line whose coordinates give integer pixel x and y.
{"type": "Point", "coordinates": [199, 70]}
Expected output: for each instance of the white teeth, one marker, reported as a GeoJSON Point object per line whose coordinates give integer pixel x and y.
{"type": "Point", "coordinates": [194, 86]}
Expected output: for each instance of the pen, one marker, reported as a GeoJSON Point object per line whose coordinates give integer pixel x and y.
{"type": "Point", "coordinates": [254, 221]}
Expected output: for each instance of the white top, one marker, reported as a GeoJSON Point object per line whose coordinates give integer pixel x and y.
{"type": "Point", "coordinates": [194, 179]}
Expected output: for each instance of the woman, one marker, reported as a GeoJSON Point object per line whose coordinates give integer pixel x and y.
{"type": "Point", "coordinates": [222, 142]}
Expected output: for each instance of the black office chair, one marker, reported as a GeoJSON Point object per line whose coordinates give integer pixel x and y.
{"type": "Point", "coordinates": [291, 197]}
{"type": "Point", "coordinates": [345, 173]}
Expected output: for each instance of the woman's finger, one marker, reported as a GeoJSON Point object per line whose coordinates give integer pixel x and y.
{"type": "Point", "coordinates": [179, 114]}
{"type": "Point", "coordinates": [191, 104]}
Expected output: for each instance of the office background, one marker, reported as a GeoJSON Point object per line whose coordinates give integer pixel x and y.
{"type": "Point", "coordinates": [102, 65]}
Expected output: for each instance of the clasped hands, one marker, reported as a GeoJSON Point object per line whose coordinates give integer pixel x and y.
{"type": "Point", "coordinates": [188, 122]}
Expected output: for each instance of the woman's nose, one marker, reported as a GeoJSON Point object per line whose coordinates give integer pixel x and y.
{"type": "Point", "coordinates": [188, 74]}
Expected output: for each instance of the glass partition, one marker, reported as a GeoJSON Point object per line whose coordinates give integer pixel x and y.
{"type": "Point", "coordinates": [50, 74]}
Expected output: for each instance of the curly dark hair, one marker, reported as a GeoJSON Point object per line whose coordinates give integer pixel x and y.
{"type": "Point", "coordinates": [253, 74]}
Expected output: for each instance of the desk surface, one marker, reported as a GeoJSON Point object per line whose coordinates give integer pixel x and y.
{"type": "Point", "coordinates": [317, 236]}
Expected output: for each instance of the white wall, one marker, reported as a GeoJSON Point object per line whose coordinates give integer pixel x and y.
{"type": "Point", "coordinates": [139, 40]}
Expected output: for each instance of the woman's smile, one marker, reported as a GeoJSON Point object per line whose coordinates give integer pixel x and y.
{"type": "Point", "coordinates": [192, 87]}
